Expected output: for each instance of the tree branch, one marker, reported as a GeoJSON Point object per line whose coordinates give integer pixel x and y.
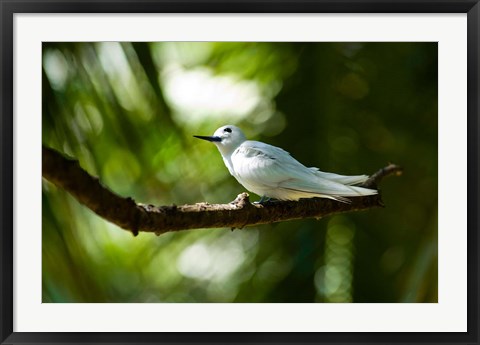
{"type": "Point", "coordinates": [66, 173]}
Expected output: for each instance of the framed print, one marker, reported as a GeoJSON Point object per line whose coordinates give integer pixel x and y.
{"type": "Point", "coordinates": [250, 172]}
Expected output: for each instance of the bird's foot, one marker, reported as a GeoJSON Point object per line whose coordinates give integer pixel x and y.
{"type": "Point", "coordinates": [263, 200]}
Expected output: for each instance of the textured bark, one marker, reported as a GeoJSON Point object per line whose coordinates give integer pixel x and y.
{"type": "Point", "coordinates": [66, 173]}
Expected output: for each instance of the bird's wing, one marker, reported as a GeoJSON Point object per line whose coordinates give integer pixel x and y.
{"type": "Point", "coordinates": [273, 167]}
{"type": "Point", "coordinates": [266, 164]}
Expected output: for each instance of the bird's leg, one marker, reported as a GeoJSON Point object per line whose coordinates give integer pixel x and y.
{"type": "Point", "coordinates": [263, 200]}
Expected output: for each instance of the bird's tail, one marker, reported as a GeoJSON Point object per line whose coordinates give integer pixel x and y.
{"type": "Point", "coordinates": [322, 188]}
{"type": "Point", "coordinates": [346, 180]}
{"type": "Point", "coordinates": [354, 191]}
{"type": "Point", "coordinates": [361, 191]}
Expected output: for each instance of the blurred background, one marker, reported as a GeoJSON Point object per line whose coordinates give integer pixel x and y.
{"type": "Point", "coordinates": [128, 111]}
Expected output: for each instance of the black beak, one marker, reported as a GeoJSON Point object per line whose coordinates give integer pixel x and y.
{"type": "Point", "coordinates": [217, 139]}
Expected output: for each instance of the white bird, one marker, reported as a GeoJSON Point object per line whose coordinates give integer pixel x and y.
{"type": "Point", "coordinates": [271, 172]}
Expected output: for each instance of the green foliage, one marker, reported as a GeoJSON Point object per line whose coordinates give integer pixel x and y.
{"type": "Point", "coordinates": [128, 112]}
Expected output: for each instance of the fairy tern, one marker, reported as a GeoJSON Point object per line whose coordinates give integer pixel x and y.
{"type": "Point", "coordinates": [272, 172]}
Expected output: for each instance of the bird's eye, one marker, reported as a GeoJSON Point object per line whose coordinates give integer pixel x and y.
{"type": "Point", "coordinates": [229, 130]}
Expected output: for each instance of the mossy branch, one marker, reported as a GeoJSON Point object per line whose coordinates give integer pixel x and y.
{"type": "Point", "coordinates": [66, 173]}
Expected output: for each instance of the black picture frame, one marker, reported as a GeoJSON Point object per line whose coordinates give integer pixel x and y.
{"type": "Point", "coordinates": [9, 8]}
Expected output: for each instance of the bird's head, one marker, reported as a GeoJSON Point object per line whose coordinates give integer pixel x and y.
{"type": "Point", "coordinates": [227, 138]}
